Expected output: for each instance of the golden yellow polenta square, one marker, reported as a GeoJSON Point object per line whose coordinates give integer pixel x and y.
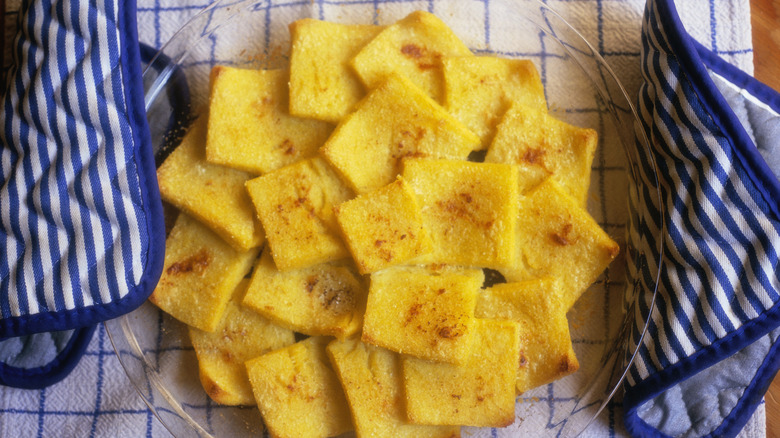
{"type": "Point", "coordinates": [240, 335]}
{"type": "Point", "coordinates": [470, 210]}
{"type": "Point", "coordinates": [395, 120]}
{"type": "Point", "coordinates": [543, 147]}
{"type": "Point", "coordinates": [413, 312]}
{"type": "Point", "coordinates": [295, 206]}
{"type": "Point", "coordinates": [546, 352]}
{"type": "Point", "coordinates": [384, 227]}
{"type": "Point", "coordinates": [200, 273]}
{"type": "Point", "coordinates": [297, 392]}
{"type": "Point", "coordinates": [371, 378]}
{"type": "Point", "coordinates": [479, 392]}
{"type": "Point", "coordinates": [250, 127]}
{"type": "Point", "coordinates": [322, 83]}
{"type": "Point", "coordinates": [213, 194]}
{"type": "Point", "coordinates": [413, 47]}
{"type": "Point", "coordinates": [558, 238]}
{"type": "Point", "coordinates": [322, 299]}
{"type": "Point", "coordinates": [478, 90]}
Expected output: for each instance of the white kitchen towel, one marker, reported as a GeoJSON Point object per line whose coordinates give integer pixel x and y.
{"type": "Point", "coordinates": [98, 400]}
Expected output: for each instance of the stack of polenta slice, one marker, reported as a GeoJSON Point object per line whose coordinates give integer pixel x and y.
{"type": "Point", "coordinates": [340, 200]}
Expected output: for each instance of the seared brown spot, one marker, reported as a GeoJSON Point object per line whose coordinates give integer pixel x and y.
{"type": "Point", "coordinates": [311, 282]}
{"type": "Point", "coordinates": [195, 263]}
{"type": "Point", "coordinates": [412, 313]}
{"type": "Point", "coordinates": [462, 206]}
{"type": "Point", "coordinates": [523, 360]}
{"type": "Point", "coordinates": [335, 294]}
{"type": "Point", "coordinates": [385, 255]}
{"type": "Point", "coordinates": [457, 396]}
{"type": "Point", "coordinates": [563, 238]}
{"type": "Point", "coordinates": [565, 367]}
{"type": "Point", "coordinates": [410, 154]}
{"type": "Point", "coordinates": [407, 143]}
{"type": "Point", "coordinates": [412, 51]}
{"type": "Point", "coordinates": [292, 386]}
{"type": "Point", "coordinates": [450, 332]}
{"type": "Point", "coordinates": [425, 59]}
{"type": "Point", "coordinates": [262, 107]}
{"type": "Point", "coordinates": [287, 147]}
{"type": "Point", "coordinates": [533, 156]}
{"type": "Point", "coordinates": [440, 291]}
{"type": "Point", "coordinates": [378, 243]}
{"type": "Point", "coordinates": [418, 134]}
{"type": "Point", "coordinates": [212, 389]}
{"type": "Point", "coordinates": [301, 200]}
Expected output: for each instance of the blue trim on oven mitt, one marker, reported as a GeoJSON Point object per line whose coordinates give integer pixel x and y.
{"type": "Point", "coordinates": [81, 226]}
{"type": "Point", "coordinates": [41, 359]}
{"type": "Point", "coordinates": [711, 349]}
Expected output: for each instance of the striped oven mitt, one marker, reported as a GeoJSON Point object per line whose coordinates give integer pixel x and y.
{"type": "Point", "coordinates": [81, 229]}
{"type": "Point", "coordinates": [711, 347]}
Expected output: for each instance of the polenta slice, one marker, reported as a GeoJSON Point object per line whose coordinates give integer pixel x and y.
{"type": "Point", "coordinates": [395, 120]}
{"type": "Point", "coordinates": [546, 351]}
{"type": "Point", "coordinates": [479, 90]}
{"type": "Point", "coordinates": [479, 392]}
{"type": "Point", "coordinates": [413, 47]}
{"type": "Point", "coordinates": [322, 83]}
{"type": "Point", "coordinates": [543, 147]}
{"type": "Point", "coordinates": [317, 300]}
{"type": "Point", "coordinates": [250, 127]}
{"type": "Point", "coordinates": [213, 194]}
{"type": "Point", "coordinates": [371, 378]}
{"type": "Point", "coordinates": [240, 335]}
{"type": "Point", "coordinates": [200, 273]}
{"type": "Point", "coordinates": [297, 392]}
{"type": "Point", "coordinates": [413, 312]}
{"type": "Point", "coordinates": [558, 238]}
{"type": "Point", "coordinates": [295, 206]}
{"type": "Point", "coordinates": [384, 228]}
{"type": "Point", "coordinates": [469, 208]}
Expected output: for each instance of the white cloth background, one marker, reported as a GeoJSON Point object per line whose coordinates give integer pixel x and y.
{"type": "Point", "coordinates": [98, 400]}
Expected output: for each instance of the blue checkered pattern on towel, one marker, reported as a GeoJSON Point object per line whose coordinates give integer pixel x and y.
{"type": "Point", "coordinates": [97, 400]}
{"type": "Point", "coordinates": [76, 232]}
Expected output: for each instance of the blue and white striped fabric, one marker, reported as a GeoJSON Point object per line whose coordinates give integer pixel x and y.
{"type": "Point", "coordinates": [81, 228]}
{"type": "Point", "coordinates": [710, 350]}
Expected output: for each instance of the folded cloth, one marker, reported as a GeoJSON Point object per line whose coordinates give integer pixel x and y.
{"type": "Point", "coordinates": [98, 400]}
{"type": "Point", "coordinates": [711, 349]}
{"type": "Point", "coordinates": [81, 225]}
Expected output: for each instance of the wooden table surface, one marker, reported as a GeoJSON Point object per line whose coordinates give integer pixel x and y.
{"type": "Point", "coordinates": [766, 52]}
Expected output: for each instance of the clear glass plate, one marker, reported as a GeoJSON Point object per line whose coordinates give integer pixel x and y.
{"type": "Point", "coordinates": [581, 89]}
